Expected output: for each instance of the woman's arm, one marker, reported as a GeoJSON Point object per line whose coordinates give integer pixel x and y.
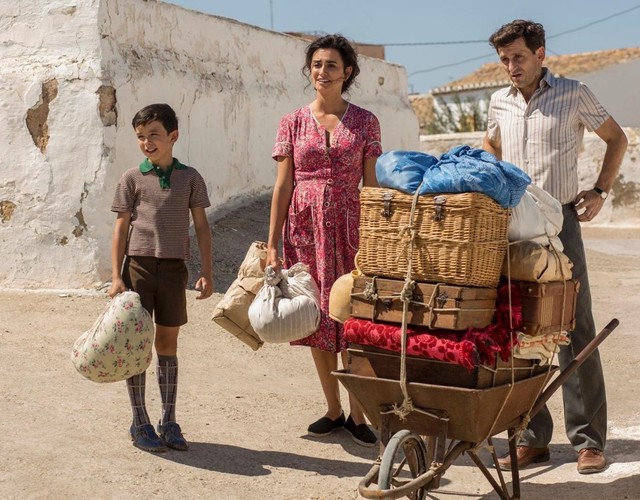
{"type": "Point", "coordinates": [369, 178]}
{"type": "Point", "coordinates": [282, 192]}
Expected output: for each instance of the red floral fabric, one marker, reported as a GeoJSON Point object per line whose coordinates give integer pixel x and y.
{"type": "Point", "coordinates": [322, 224]}
{"type": "Point", "coordinates": [469, 348]}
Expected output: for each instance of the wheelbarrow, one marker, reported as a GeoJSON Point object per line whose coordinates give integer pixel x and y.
{"type": "Point", "coordinates": [416, 454]}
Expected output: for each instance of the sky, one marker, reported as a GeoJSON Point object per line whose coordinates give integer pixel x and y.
{"type": "Point", "coordinates": [424, 36]}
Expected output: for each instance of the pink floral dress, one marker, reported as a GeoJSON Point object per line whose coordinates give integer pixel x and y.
{"type": "Point", "coordinates": [321, 229]}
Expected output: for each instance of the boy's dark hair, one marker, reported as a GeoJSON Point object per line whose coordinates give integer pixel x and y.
{"type": "Point", "coordinates": [162, 113]}
{"type": "Point", "coordinates": [533, 34]}
{"type": "Point", "coordinates": [342, 45]}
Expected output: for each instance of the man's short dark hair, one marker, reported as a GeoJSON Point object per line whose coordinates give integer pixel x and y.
{"type": "Point", "coordinates": [162, 113]}
{"type": "Point", "coordinates": [533, 34]}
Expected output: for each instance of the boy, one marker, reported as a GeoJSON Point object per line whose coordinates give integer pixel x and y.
{"type": "Point", "coordinates": [152, 228]}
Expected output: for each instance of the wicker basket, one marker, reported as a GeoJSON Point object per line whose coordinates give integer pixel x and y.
{"type": "Point", "coordinates": [459, 239]}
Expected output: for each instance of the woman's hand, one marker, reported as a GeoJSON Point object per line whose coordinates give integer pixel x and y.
{"type": "Point", "coordinates": [273, 260]}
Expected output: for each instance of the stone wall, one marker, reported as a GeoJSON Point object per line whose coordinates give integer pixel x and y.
{"type": "Point", "coordinates": [623, 206]}
{"type": "Point", "coordinates": [71, 79]}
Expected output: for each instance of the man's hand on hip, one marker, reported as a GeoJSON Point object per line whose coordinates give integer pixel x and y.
{"type": "Point", "coordinates": [588, 205]}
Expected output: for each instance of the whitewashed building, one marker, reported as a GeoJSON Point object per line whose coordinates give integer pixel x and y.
{"type": "Point", "coordinates": [73, 74]}
{"type": "Point", "coordinates": [611, 74]}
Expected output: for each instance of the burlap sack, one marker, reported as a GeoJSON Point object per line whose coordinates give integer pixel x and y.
{"type": "Point", "coordinates": [231, 313]}
{"type": "Point", "coordinates": [119, 345]}
{"type": "Point", "coordinates": [531, 261]}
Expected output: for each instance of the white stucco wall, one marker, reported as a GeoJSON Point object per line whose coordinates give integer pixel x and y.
{"type": "Point", "coordinates": [82, 69]}
{"type": "Point", "coordinates": [617, 90]}
{"type": "Point", "coordinates": [623, 206]}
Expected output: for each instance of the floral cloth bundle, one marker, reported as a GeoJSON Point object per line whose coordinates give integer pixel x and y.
{"type": "Point", "coordinates": [119, 345]}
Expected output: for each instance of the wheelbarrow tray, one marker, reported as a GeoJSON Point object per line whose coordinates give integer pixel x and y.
{"type": "Point", "coordinates": [473, 414]}
{"type": "Point", "coordinates": [375, 362]}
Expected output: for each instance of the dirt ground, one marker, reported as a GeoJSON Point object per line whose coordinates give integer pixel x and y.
{"type": "Point", "coordinates": [245, 413]}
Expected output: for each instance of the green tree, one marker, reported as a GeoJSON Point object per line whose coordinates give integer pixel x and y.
{"type": "Point", "coordinates": [458, 116]}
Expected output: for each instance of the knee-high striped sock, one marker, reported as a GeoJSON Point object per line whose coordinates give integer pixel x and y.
{"type": "Point", "coordinates": [136, 388]}
{"type": "Point", "coordinates": [168, 383]}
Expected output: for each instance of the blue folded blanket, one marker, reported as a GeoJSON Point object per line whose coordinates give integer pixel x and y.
{"type": "Point", "coordinates": [460, 170]}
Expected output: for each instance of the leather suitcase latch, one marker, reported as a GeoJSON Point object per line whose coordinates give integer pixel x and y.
{"type": "Point", "coordinates": [386, 204]}
{"type": "Point", "coordinates": [439, 202]}
{"type": "Point", "coordinates": [441, 300]}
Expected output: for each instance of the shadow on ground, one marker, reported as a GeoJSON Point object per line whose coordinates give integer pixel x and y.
{"type": "Point", "coordinates": [236, 460]}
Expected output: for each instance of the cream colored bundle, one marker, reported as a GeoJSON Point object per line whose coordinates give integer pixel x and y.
{"type": "Point", "coordinates": [538, 217]}
{"type": "Point", "coordinates": [287, 308]}
{"type": "Point", "coordinates": [119, 345]}
{"type": "Point", "coordinates": [540, 347]}
{"type": "Point", "coordinates": [340, 297]}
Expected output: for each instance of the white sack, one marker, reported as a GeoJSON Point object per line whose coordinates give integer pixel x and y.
{"type": "Point", "coordinates": [538, 217]}
{"type": "Point", "coordinates": [287, 308]}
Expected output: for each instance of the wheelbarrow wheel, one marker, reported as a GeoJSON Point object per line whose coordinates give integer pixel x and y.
{"type": "Point", "coordinates": [403, 460]}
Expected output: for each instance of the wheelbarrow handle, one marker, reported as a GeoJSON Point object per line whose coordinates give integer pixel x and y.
{"type": "Point", "coordinates": [573, 366]}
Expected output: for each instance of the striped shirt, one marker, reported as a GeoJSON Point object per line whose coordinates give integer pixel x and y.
{"type": "Point", "coordinates": [159, 217]}
{"type": "Point", "coordinates": [543, 137]}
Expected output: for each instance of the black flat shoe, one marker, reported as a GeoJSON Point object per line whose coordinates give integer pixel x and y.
{"type": "Point", "coordinates": [325, 426]}
{"type": "Point", "coordinates": [361, 434]}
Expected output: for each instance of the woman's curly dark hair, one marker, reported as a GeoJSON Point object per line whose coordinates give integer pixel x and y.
{"type": "Point", "coordinates": [342, 45]}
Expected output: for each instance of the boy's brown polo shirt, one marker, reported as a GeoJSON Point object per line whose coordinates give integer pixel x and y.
{"type": "Point", "coordinates": [160, 215]}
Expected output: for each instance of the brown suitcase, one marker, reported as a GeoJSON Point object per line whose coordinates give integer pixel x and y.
{"type": "Point", "coordinates": [448, 307]}
{"type": "Point", "coordinates": [375, 362]}
{"type": "Point", "coordinates": [542, 306]}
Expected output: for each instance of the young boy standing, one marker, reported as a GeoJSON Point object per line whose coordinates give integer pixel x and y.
{"type": "Point", "coordinates": [148, 252]}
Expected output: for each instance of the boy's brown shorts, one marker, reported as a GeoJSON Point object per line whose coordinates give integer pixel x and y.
{"type": "Point", "coordinates": [161, 284]}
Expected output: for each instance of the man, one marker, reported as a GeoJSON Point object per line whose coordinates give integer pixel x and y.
{"type": "Point", "coordinates": [538, 123]}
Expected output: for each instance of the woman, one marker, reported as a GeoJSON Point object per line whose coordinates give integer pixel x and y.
{"type": "Point", "coordinates": [324, 150]}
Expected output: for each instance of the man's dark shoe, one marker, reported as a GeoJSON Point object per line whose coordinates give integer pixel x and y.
{"type": "Point", "coordinates": [171, 435]}
{"type": "Point", "coordinates": [591, 460]}
{"type": "Point", "coordinates": [361, 434]}
{"type": "Point", "coordinates": [325, 426]}
{"type": "Point", "coordinates": [145, 438]}
{"type": "Point", "coordinates": [526, 456]}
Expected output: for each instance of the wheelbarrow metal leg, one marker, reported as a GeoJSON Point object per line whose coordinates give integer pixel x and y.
{"type": "Point", "coordinates": [385, 429]}
{"type": "Point", "coordinates": [433, 459]}
{"type": "Point", "coordinates": [494, 457]}
{"type": "Point", "coordinates": [502, 492]}
{"type": "Point", "coordinates": [515, 469]}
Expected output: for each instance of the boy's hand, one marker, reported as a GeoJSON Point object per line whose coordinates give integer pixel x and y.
{"type": "Point", "coordinates": [205, 287]}
{"type": "Point", "coordinates": [117, 286]}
